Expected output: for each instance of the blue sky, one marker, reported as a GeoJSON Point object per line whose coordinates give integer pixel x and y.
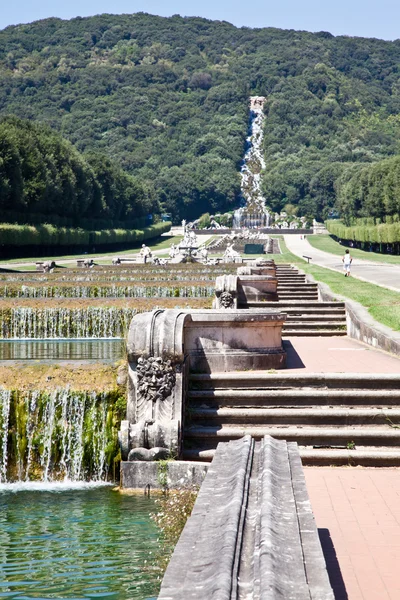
{"type": "Point", "coordinates": [368, 18]}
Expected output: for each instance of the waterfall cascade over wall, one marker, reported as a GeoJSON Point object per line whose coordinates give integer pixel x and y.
{"type": "Point", "coordinates": [59, 322]}
{"type": "Point", "coordinates": [253, 213]}
{"type": "Point", "coordinates": [110, 291]}
{"type": "Point", "coordinates": [57, 435]}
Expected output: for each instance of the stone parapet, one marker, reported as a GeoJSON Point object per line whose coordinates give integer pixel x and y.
{"type": "Point", "coordinates": [235, 340]}
{"type": "Point", "coordinates": [144, 475]}
{"type": "Point", "coordinates": [252, 531]}
{"type": "Point", "coordinates": [238, 291]}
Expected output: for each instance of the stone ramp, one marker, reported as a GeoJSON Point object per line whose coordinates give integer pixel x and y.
{"type": "Point", "coordinates": [252, 532]}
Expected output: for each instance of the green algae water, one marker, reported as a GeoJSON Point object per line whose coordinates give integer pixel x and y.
{"type": "Point", "coordinates": [76, 541]}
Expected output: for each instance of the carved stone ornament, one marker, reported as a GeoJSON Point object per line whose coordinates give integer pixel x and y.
{"type": "Point", "coordinates": [226, 300]}
{"type": "Point", "coordinates": [155, 379]}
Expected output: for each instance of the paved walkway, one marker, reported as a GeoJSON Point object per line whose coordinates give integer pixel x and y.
{"type": "Point", "coordinates": [379, 273]}
{"type": "Point", "coordinates": [357, 511]}
{"type": "Point", "coordinates": [337, 355]}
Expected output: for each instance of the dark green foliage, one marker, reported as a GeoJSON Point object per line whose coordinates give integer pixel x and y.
{"type": "Point", "coordinates": [167, 100]}
{"type": "Point", "coordinates": [370, 191]}
{"type": "Point", "coordinates": [363, 231]}
{"type": "Point", "coordinates": [43, 174]}
{"type": "Point", "coordinates": [49, 235]}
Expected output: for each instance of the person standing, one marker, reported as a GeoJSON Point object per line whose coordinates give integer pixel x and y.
{"type": "Point", "coordinates": [347, 260]}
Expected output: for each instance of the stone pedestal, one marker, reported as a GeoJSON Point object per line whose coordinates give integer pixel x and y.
{"type": "Point", "coordinates": [234, 340]}
{"type": "Point", "coordinates": [164, 346]}
{"type": "Point", "coordinates": [139, 475]}
{"type": "Point", "coordinates": [257, 288]}
{"type": "Point", "coordinates": [233, 291]}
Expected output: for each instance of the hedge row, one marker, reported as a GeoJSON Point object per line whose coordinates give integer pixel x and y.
{"type": "Point", "coordinates": [385, 233]}
{"type": "Point", "coordinates": [24, 218]}
{"type": "Point", "coordinates": [50, 235]}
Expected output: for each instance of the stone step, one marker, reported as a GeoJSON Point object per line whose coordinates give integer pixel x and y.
{"type": "Point", "coordinates": [266, 381]}
{"type": "Point", "coordinates": [303, 397]}
{"type": "Point", "coordinates": [317, 324]}
{"type": "Point", "coordinates": [313, 332]}
{"type": "Point", "coordinates": [297, 293]}
{"type": "Point", "coordinates": [301, 309]}
{"type": "Point", "coordinates": [320, 416]}
{"type": "Point", "coordinates": [316, 318]}
{"type": "Point", "coordinates": [296, 305]}
{"type": "Point", "coordinates": [312, 310]}
{"type": "Point", "coordinates": [360, 435]}
{"type": "Point", "coordinates": [294, 278]}
{"type": "Point", "coordinates": [300, 297]}
{"type": "Point", "coordinates": [297, 286]}
{"type": "Point", "coordinates": [367, 456]}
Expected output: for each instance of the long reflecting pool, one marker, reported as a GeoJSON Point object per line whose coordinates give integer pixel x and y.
{"type": "Point", "coordinates": [76, 544]}
{"type": "Point", "coordinates": [63, 349]}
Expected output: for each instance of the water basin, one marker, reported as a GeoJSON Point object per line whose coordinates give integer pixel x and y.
{"type": "Point", "coordinates": [76, 541]}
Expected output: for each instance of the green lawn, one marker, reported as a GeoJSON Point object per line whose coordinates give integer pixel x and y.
{"type": "Point", "coordinates": [328, 244]}
{"type": "Point", "coordinates": [160, 243]}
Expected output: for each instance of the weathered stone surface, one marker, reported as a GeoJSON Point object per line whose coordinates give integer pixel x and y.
{"type": "Point", "coordinates": [225, 292]}
{"type": "Point", "coordinates": [257, 288]}
{"type": "Point", "coordinates": [165, 344]}
{"type": "Point", "coordinates": [234, 340]}
{"type": "Point", "coordinates": [252, 532]}
{"type": "Point", "coordinates": [138, 475]}
{"type": "Point", "coordinates": [237, 291]}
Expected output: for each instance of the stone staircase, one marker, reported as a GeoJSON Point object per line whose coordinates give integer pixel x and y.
{"type": "Point", "coordinates": [336, 418]}
{"type": "Point", "coordinates": [306, 316]}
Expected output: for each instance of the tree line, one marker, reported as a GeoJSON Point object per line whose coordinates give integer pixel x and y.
{"type": "Point", "coordinates": [166, 99]}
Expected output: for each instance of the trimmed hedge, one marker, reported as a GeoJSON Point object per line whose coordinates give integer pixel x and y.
{"type": "Point", "coordinates": [24, 218]}
{"type": "Point", "coordinates": [50, 235]}
{"type": "Point", "coordinates": [384, 233]}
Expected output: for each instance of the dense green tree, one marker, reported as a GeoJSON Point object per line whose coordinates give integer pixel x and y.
{"type": "Point", "coordinates": [43, 174]}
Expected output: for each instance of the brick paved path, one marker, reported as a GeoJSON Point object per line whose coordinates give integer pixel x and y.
{"type": "Point", "coordinates": [357, 511]}
{"type": "Point", "coordinates": [337, 355]}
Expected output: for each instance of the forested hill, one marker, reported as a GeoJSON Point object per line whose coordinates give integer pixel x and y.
{"type": "Point", "coordinates": [167, 98]}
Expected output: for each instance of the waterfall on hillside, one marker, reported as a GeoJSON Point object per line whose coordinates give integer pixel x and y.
{"type": "Point", "coordinates": [57, 435]}
{"type": "Point", "coordinates": [253, 213]}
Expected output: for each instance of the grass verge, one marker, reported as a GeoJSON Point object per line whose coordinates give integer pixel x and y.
{"type": "Point", "coordinates": [39, 376]}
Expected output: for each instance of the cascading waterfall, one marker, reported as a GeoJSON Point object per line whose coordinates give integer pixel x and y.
{"type": "Point", "coordinates": [57, 435]}
{"type": "Point", "coordinates": [113, 291]}
{"type": "Point", "coordinates": [254, 212]}
{"type": "Point", "coordinates": [56, 323]}
{"type": "Point", "coordinates": [5, 399]}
